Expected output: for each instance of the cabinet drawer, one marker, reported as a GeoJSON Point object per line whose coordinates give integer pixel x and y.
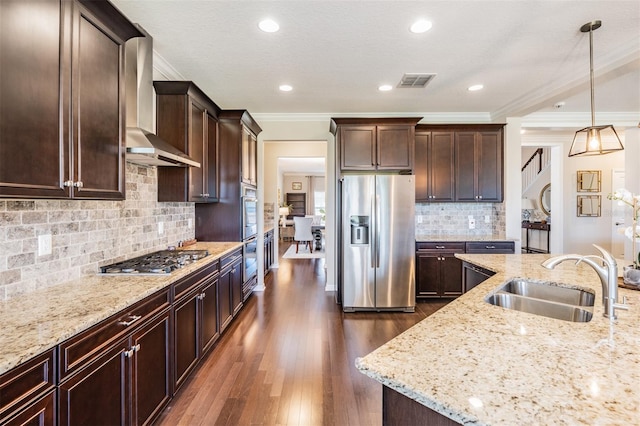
{"type": "Point", "coordinates": [23, 384]}
{"type": "Point", "coordinates": [231, 258]}
{"type": "Point", "coordinates": [86, 346]}
{"type": "Point", "coordinates": [488, 247]}
{"type": "Point", "coordinates": [185, 285]}
{"type": "Point", "coordinates": [449, 247]}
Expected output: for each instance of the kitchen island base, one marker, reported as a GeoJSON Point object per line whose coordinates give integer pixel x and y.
{"type": "Point", "coordinates": [398, 410]}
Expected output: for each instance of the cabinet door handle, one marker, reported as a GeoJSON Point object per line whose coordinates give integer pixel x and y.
{"type": "Point", "coordinates": [134, 318]}
{"type": "Point", "coordinates": [480, 197]}
{"type": "Point", "coordinates": [490, 247]}
{"type": "Point", "coordinates": [68, 183]}
{"type": "Point", "coordinates": [439, 247]}
{"type": "Point", "coordinates": [202, 296]}
{"type": "Point", "coordinates": [78, 184]}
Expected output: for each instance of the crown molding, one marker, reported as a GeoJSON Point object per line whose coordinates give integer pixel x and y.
{"type": "Point", "coordinates": [616, 61]}
{"type": "Point", "coordinates": [427, 117]}
{"type": "Point", "coordinates": [165, 69]}
{"type": "Point", "coordinates": [578, 120]}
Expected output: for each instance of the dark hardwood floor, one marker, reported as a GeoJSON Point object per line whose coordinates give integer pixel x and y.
{"type": "Point", "coordinates": [288, 358]}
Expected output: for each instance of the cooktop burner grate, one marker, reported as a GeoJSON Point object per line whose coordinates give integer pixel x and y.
{"type": "Point", "coordinates": [157, 263]}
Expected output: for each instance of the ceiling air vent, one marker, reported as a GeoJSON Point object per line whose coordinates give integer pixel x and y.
{"type": "Point", "coordinates": [415, 80]}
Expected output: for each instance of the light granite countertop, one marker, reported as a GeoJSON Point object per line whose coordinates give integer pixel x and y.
{"type": "Point", "coordinates": [460, 237]}
{"type": "Point", "coordinates": [480, 364]}
{"type": "Point", "coordinates": [37, 321]}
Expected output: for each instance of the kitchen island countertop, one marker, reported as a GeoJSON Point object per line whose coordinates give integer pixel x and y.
{"type": "Point", "coordinates": [476, 363]}
{"type": "Point", "coordinates": [36, 321]}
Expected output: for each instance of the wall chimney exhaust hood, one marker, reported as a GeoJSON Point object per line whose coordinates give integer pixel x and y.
{"type": "Point", "coordinates": [143, 146]}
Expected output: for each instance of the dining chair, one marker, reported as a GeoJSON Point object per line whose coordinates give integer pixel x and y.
{"type": "Point", "coordinates": [302, 233]}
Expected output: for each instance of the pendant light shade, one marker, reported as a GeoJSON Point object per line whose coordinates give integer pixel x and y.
{"type": "Point", "coordinates": [594, 140]}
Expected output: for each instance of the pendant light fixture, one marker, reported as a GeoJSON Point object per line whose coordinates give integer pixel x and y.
{"type": "Point", "coordinates": [594, 140]}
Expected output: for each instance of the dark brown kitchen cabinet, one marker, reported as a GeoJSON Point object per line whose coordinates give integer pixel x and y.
{"type": "Point", "coordinates": [188, 120]}
{"type": "Point", "coordinates": [222, 221]}
{"type": "Point", "coordinates": [479, 165]}
{"type": "Point", "coordinates": [196, 319]}
{"type": "Point", "coordinates": [438, 271]}
{"type": "Point", "coordinates": [385, 144]}
{"type": "Point", "coordinates": [249, 157]}
{"type": "Point", "coordinates": [62, 99]}
{"type": "Point", "coordinates": [434, 165]}
{"type": "Point", "coordinates": [126, 360]}
{"type": "Point", "coordinates": [27, 392]}
{"type": "Point", "coordinates": [230, 297]}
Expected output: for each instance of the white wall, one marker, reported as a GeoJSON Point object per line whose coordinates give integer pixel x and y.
{"type": "Point", "coordinates": [297, 139]}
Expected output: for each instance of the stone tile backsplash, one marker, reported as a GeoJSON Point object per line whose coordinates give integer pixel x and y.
{"type": "Point", "coordinates": [86, 234]}
{"type": "Point", "coordinates": [448, 219]}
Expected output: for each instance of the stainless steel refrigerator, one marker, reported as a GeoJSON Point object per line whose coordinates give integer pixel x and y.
{"type": "Point", "coordinates": [378, 243]}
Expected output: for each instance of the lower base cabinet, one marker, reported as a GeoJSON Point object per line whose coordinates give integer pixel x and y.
{"type": "Point", "coordinates": [125, 369]}
{"type": "Point", "coordinates": [118, 371]}
{"type": "Point", "coordinates": [440, 274]}
{"type": "Point", "coordinates": [230, 296]}
{"type": "Point", "coordinates": [40, 413]}
{"type": "Point", "coordinates": [195, 320]}
{"type": "Point", "coordinates": [438, 271]}
{"type": "Point", "coordinates": [399, 410]}
{"type": "Point", "coordinates": [28, 393]}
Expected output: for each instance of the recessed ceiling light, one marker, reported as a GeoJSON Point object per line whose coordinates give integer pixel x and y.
{"type": "Point", "coordinates": [475, 87]}
{"type": "Point", "coordinates": [268, 26]}
{"type": "Point", "coordinates": [285, 88]}
{"type": "Point", "coordinates": [421, 26]}
{"type": "Point", "coordinates": [385, 87]}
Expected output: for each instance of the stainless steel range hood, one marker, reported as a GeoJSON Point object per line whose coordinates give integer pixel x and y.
{"type": "Point", "coordinates": [143, 146]}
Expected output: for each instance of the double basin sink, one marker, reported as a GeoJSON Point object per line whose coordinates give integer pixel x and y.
{"type": "Point", "coordinates": [545, 299]}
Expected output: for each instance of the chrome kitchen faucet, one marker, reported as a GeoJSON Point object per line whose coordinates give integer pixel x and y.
{"type": "Point", "coordinates": [607, 272]}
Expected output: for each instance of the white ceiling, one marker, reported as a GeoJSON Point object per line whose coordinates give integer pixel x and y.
{"type": "Point", "coordinates": [528, 54]}
{"type": "Point", "coordinates": [303, 165]}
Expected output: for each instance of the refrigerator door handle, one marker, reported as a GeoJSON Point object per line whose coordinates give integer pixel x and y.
{"type": "Point", "coordinates": [377, 227]}
{"type": "Point", "coordinates": [372, 230]}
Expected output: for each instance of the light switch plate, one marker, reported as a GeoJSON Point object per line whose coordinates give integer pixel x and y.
{"type": "Point", "coordinates": [160, 228]}
{"type": "Point", "coordinates": [472, 224]}
{"type": "Point", "coordinates": [189, 223]}
{"type": "Point", "coordinates": [487, 218]}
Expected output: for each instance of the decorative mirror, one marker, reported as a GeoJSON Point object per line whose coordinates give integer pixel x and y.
{"type": "Point", "coordinates": [588, 205]}
{"type": "Point", "coordinates": [545, 199]}
{"type": "Point", "coordinates": [589, 180]}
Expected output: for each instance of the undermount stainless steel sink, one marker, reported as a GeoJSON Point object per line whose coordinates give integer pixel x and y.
{"type": "Point", "coordinates": [545, 299]}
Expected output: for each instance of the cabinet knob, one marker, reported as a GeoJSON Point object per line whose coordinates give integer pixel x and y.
{"type": "Point", "coordinates": [68, 183]}
{"type": "Point", "coordinates": [78, 184]}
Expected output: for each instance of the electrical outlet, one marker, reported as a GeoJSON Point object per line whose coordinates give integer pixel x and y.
{"type": "Point", "coordinates": [45, 245]}
{"type": "Point", "coordinates": [487, 218]}
{"type": "Point", "coordinates": [419, 219]}
{"type": "Point", "coordinates": [189, 223]}
{"type": "Point", "coordinates": [472, 224]}
{"type": "Point", "coordinates": [160, 228]}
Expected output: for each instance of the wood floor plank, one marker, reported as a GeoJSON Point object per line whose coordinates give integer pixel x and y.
{"type": "Point", "coordinates": [289, 359]}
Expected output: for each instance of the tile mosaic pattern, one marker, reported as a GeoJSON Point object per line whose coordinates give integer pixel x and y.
{"type": "Point", "coordinates": [448, 219]}
{"type": "Point", "coordinates": [86, 234]}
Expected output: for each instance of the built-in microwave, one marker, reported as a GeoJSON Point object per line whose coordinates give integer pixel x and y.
{"type": "Point", "coordinates": [249, 213]}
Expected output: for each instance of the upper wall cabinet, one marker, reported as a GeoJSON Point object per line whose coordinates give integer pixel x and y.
{"type": "Point", "coordinates": [459, 162]}
{"type": "Point", "coordinates": [62, 99]}
{"type": "Point", "coordinates": [384, 144]}
{"type": "Point", "coordinates": [434, 165]}
{"type": "Point", "coordinates": [479, 164]}
{"type": "Point", "coordinates": [188, 120]}
{"type": "Point", "coordinates": [238, 146]}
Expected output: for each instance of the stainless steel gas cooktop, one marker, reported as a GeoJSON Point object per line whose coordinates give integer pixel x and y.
{"type": "Point", "coordinates": [157, 263]}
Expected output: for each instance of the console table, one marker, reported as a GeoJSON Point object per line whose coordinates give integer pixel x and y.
{"type": "Point", "coordinates": [536, 226]}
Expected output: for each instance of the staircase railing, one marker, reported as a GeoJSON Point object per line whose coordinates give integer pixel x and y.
{"type": "Point", "coordinates": [538, 161]}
